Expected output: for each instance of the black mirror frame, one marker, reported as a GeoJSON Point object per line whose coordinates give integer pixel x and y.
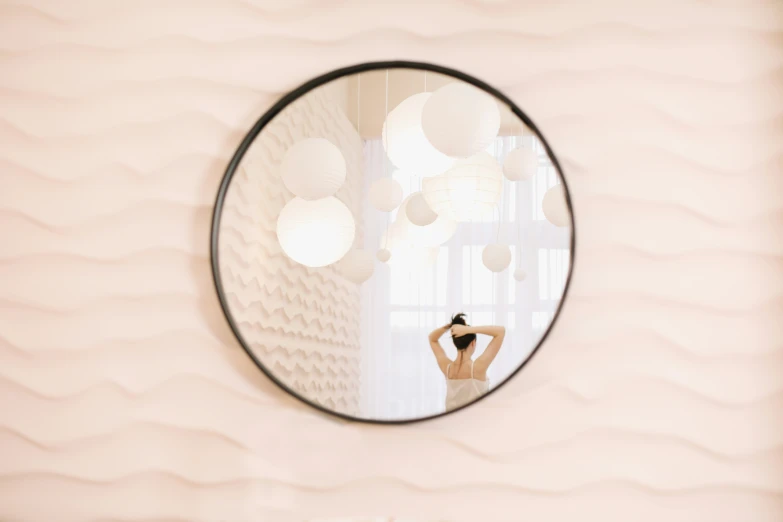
{"type": "Point", "coordinates": [274, 111]}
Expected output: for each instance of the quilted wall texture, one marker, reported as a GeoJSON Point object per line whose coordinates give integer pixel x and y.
{"type": "Point", "coordinates": [302, 323]}
{"type": "Point", "coordinates": [125, 398]}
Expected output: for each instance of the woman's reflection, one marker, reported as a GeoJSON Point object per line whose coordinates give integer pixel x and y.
{"type": "Point", "coordinates": [466, 380]}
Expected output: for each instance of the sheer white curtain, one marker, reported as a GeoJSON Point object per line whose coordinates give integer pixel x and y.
{"type": "Point", "coordinates": [400, 377]}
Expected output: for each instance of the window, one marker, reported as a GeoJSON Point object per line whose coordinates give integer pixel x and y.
{"type": "Point", "coordinates": [541, 320]}
{"type": "Point", "coordinates": [508, 275]}
{"type": "Point", "coordinates": [417, 300]}
{"type": "Point", "coordinates": [420, 286]}
{"type": "Point", "coordinates": [552, 271]}
{"type": "Point", "coordinates": [477, 281]}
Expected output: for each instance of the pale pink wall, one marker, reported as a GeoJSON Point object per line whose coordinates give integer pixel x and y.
{"type": "Point", "coordinates": [124, 397]}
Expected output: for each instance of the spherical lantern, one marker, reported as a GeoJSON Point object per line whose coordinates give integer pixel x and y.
{"type": "Point", "coordinates": [496, 257]}
{"type": "Point", "coordinates": [460, 120]}
{"type": "Point", "coordinates": [313, 168]}
{"type": "Point", "coordinates": [468, 191]}
{"type": "Point", "coordinates": [555, 208]}
{"type": "Point", "coordinates": [357, 265]}
{"type": "Point", "coordinates": [520, 164]}
{"type": "Point", "coordinates": [434, 234]}
{"type": "Point", "coordinates": [405, 142]}
{"type": "Point", "coordinates": [385, 194]}
{"type": "Point", "coordinates": [519, 274]}
{"type": "Point", "coordinates": [383, 255]}
{"type": "Point", "coordinates": [315, 233]}
{"type": "Point", "coordinates": [406, 254]}
{"type": "Point", "coordinates": [418, 211]}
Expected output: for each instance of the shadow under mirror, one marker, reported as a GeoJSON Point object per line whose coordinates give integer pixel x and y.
{"type": "Point", "coordinates": [392, 241]}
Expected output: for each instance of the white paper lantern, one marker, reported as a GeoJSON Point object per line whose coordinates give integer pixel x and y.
{"type": "Point", "coordinates": [315, 233]}
{"type": "Point", "coordinates": [496, 257]}
{"type": "Point", "coordinates": [460, 120]}
{"type": "Point", "coordinates": [405, 142]}
{"type": "Point", "coordinates": [520, 164]}
{"type": "Point", "coordinates": [313, 168]}
{"type": "Point", "coordinates": [357, 265]}
{"type": "Point", "coordinates": [404, 253]}
{"type": "Point", "coordinates": [383, 255]}
{"type": "Point", "coordinates": [519, 274]}
{"type": "Point", "coordinates": [418, 211]}
{"type": "Point", "coordinates": [468, 191]}
{"type": "Point", "coordinates": [434, 234]}
{"type": "Point", "coordinates": [385, 194]}
{"type": "Point", "coordinates": [555, 208]}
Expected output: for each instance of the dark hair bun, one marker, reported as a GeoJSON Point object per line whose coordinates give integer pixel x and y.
{"type": "Point", "coordinates": [458, 319]}
{"type": "Point", "coordinates": [462, 341]}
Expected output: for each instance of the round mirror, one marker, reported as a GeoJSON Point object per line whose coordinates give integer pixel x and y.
{"type": "Point", "coordinates": [392, 241]}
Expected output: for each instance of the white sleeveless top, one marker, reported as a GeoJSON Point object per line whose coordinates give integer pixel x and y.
{"type": "Point", "coordinates": [463, 391]}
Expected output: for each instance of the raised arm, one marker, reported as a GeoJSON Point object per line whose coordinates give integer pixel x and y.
{"type": "Point", "coordinates": [437, 349]}
{"type": "Point", "coordinates": [498, 333]}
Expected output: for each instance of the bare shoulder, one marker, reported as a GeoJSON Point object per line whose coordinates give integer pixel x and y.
{"type": "Point", "coordinates": [444, 364]}
{"type": "Point", "coordinates": [479, 370]}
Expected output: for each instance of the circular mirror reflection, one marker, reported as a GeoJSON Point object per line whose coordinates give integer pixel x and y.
{"type": "Point", "coordinates": [392, 241]}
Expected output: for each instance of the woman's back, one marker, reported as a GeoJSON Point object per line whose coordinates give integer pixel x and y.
{"type": "Point", "coordinates": [463, 386]}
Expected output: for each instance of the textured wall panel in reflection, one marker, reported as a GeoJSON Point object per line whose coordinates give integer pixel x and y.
{"type": "Point", "coordinates": [302, 323]}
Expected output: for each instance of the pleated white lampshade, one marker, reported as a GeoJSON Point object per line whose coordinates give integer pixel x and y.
{"type": "Point", "coordinates": [460, 120]}
{"type": "Point", "coordinates": [468, 191]}
{"type": "Point", "coordinates": [405, 142]}
{"type": "Point", "coordinates": [315, 233]}
{"type": "Point", "coordinates": [313, 168]}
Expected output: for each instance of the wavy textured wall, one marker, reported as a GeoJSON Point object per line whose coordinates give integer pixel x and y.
{"type": "Point", "coordinates": [302, 323]}
{"type": "Point", "coordinates": [657, 397]}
